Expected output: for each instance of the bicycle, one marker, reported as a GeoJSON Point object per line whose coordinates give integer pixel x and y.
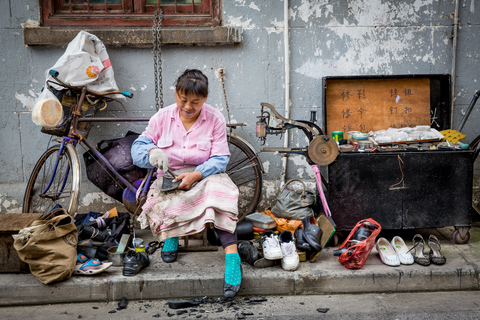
{"type": "Point", "coordinates": [55, 179]}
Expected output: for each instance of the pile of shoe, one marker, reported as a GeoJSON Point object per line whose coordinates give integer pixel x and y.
{"type": "Point", "coordinates": [280, 248]}
{"type": "Point", "coordinates": [286, 247]}
{"type": "Point", "coordinates": [273, 248]}
{"type": "Point", "coordinates": [98, 232]}
{"type": "Point", "coordinates": [434, 256]}
{"type": "Point", "coordinates": [393, 253]}
{"type": "Point", "coordinates": [396, 252]}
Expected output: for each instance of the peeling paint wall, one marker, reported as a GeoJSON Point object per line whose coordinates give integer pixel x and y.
{"type": "Point", "coordinates": [327, 38]}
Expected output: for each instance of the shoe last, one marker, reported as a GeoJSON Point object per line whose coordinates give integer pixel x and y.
{"type": "Point", "coordinates": [401, 248]}
{"type": "Point", "coordinates": [387, 254]}
{"type": "Point", "coordinates": [312, 232]}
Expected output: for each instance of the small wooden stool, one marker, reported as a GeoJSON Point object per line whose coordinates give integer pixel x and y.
{"type": "Point", "coordinates": [205, 246]}
{"type": "Point", "coordinates": [12, 223]}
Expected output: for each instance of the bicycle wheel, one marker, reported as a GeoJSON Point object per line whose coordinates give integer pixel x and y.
{"type": "Point", "coordinates": [476, 177]}
{"type": "Point", "coordinates": [45, 190]}
{"type": "Point", "coordinates": [245, 170]}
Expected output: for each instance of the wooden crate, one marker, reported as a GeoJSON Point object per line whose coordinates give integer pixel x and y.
{"type": "Point", "coordinates": [12, 223]}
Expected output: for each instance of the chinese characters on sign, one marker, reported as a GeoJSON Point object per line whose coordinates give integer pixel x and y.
{"type": "Point", "coordinates": [365, 105]}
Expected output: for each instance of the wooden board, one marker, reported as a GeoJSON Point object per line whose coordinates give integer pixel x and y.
{"type": "Point", "coordinates": [374, 104]}
{"type": "Point", "coordinates": [11, 223]}
{"type": "Point", "coordinates": [14, 222]}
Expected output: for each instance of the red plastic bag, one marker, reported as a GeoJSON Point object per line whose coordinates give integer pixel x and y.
{"type": "Point", "coordinates": [357, 252]}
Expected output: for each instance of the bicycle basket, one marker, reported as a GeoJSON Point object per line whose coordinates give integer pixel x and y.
{"type": "Point", "coordinates": [68, 101]}
{"type": "Point", "coordinates": [64, 126]}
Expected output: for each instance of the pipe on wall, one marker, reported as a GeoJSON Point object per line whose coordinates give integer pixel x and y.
{"type": "Point", "coordinates": [286, 43]}
{"type": "Point", "coordinates": [454, 59]}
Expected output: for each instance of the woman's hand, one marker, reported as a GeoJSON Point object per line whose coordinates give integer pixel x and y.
{"type": "Point", "coordinates": [188, 179]}
{"type": "Point", "coordinates": [159, 159]}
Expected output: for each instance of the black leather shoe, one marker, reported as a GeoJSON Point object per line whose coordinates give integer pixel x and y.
{"type": "Point", "coordinates": [312, 233]}
{"type": "Point", "coordinates": [264, 263]}
{"type": "Point", "coordinates": [169, 256]}
{"type": "Point", "coordinates": [134, 262]}
{"type": "Point", "coordinates": [230, 291]}
{"type": "Point", "coordinates": [247, 252]}
{"type": "Point", "coordinates": [86, 232]}
{"type": "Point", "coordinates": [300, 242]}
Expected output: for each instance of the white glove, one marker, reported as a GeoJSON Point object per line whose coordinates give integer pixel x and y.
{"type": "Point", "coordinates": [158, 158]}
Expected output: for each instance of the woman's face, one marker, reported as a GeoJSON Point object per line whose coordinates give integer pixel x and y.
{"type": "Point", "coordinates": [189, 105]}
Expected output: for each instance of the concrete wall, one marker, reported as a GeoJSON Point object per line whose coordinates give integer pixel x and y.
{"type": "Point", "coordinates": [327, 38]}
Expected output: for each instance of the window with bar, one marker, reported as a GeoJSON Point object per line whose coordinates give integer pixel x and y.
{"type": "Point", "coordinates": [130, 13]}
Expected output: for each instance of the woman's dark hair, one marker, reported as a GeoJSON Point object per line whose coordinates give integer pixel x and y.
{"type": "Point", "coordinates": [192, 81]}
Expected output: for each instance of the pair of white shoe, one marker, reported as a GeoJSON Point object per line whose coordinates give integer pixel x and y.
{"type": "Point", "coordinates": [275, 248]}
{"type": "Point", "coordinates": [394, 253]}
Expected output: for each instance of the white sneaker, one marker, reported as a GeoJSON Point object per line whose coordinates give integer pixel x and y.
{"type": "Point", "coordinates": [290, 258]}
{"type": "Point", "coordinates": [271, 246]}
{"type": "Point", "coordinates": [401, 248]}
{"type": "Point", "coordinates": [388, 255]}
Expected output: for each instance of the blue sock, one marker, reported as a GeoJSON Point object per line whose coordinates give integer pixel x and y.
{"type": "Point", "coordinates": [233, 274]}
{"type": "Point", "coordinates": [171, 244]}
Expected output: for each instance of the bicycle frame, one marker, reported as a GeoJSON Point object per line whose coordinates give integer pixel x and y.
{"type": "Point", "coordinates": [62, 147]}
{"type": "Point", "coordinates": [135, 192]}
{"type": "Point", "coordinates": [74, 137]}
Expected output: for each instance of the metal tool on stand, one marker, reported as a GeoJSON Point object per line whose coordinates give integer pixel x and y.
{"type": "Point", "coordinates": [321, 150]}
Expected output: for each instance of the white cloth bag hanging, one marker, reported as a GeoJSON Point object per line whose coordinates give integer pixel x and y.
{"type": "Point", "coordinates": [85, 62]}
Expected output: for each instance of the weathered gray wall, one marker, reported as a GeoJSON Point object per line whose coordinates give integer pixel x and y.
{"type": "Point", "coordinates": [327, 38]}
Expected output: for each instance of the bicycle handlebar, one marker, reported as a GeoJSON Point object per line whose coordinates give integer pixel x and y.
{"type": "Point", "coordinates": [55, 75]}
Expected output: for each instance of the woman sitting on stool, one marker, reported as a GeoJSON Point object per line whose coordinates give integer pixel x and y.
{"type": "Point", "coordinates": [190, 137]}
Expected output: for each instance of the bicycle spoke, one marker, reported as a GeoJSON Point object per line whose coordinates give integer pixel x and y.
{"type": "Point", "coordinates": [245, 172]}
{"type": "Point", "coordinates": [229, 172]}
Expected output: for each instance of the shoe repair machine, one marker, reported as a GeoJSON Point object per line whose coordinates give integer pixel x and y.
{"type": "Point", "coordinates": [321, 151]}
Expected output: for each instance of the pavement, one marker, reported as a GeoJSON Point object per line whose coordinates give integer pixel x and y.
{"type": "Point", "coordinates": [200, 274]}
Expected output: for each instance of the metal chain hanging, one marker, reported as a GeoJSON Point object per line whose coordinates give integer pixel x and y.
{"type": "Point", "coordinates": [157, 58]}
{"type": "Point", "coordinates": [222, 77]}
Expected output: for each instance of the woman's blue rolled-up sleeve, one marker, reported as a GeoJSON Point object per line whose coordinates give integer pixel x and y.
{"type": "Point", "coordinates": [140, 149]}
{"type": "Point", "coordinates": [215, 164]}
